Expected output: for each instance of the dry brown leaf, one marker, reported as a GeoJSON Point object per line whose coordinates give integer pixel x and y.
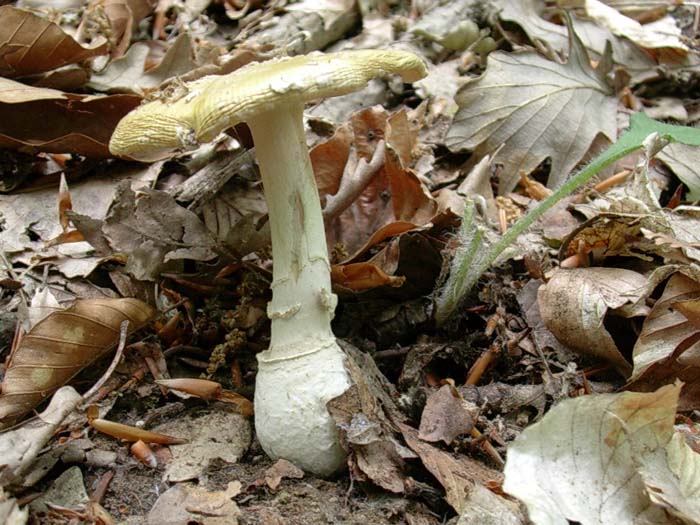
{"type": "Point", "coordinates": [129, 433]}
{"type": "Point", "coordinates": [393, 195]}
{"type": "Point", "coordinates": [61, 345]}
{"type": "Point", "coordinates": [668, 348]}
{"type": "Point", "coordinates": [281, 469]}
{"type": "Point", "coordinates": [122, 16]}
{"type": "Point", "coordinates": [459, 476]}
{"type": "Point", "coordinates": [42, 119]}
{"type": "Point", "coordinates": [446, 415]}
{"type": "Point", "coordinates": [574, 304]}
{"type": "Point", "coordinates": [29, 44]}
{"type": "Point", "coordinates": [362, 276]}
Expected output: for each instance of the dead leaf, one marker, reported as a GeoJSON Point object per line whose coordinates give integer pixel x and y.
{"type": "Point", "coordinates": [567, 104]}
{"type": "Point", "coordinates": [446, 415]}
{"type": "Point", "coordinates": [281, 469]}
{"type": "Point", "coordinates": [61, 345]}
{"type": "Point", "coordinates": [152, 229]}
{"type": "Point", "coordinates": [184, 503]}
{"type": "Point", "coordinates": [29, 44]}
{"type": "Point", "coordinates": [218, 434]}
{"type": "Point", "coordinates": [362, 276]}
{"type": "Point", "coordinates": [574, 303]}
{"type": "Point", "coordinates": [588, 460]}
{"type": "Point", "coordinates": [120, 16]}
{"type": "Point", "coordinates": [668, 347]}
{"type": "Point", "coordinates": [129, 433]}
{"type": "Point", "coordinates": [393, 195]}
{"type": "Point", "coordinates": [458, 475]}
{"type": "Point", "coordinates": [130, 74]}
{"type": "Point", "coordinates": [527, 14]}
{"type": "Point", "coordinates": [21, 446]}
{"type": "Point", "coordinates": [663, 32]}
{"type": "Point", "coordinates": [41, 119]}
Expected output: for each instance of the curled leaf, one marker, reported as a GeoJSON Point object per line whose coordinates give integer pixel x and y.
{"type": "Point", "coordinates": [129, 433]}
{"type": "Point", "coordinates": [61, 345]}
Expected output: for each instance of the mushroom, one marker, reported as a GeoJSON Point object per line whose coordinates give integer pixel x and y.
{"type": "Point", "coordinates": [304, 366]}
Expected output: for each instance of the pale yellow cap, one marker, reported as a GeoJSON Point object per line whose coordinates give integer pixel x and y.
{"type": "Point", "coordinates": [218, 102]}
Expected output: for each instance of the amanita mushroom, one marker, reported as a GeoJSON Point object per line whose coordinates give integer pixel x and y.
{"type": "Point", "coordinates": [304, 366]}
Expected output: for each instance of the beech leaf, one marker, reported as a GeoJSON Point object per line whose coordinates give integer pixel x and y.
{"type": "Point", "coordinates": [29, 44]}
{"type": "Point", "coordinates": [61, 345]}
{"type": "Point", "coordinates": [600, 459]}
{"type": "Point", "coordinates": [534, 109]}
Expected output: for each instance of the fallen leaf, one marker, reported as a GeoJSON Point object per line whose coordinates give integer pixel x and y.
{"type": "Point", "coordinates": [10, 511]}
{"type": "Point", "coordinates": [682, 159]}
{"type": "Point", "coordinates": [129, 433]}
{"type": "Point", "coordinates": [281, 469]}
{"type": "Point", "coordinates": [394, 194]}
{"type": "Point", "coordinates": [152, 229]}
{"type": "Point", "coordinates": [41, 119]}
{"type": "Point", "coordinates": [532, 109]}
{"type": "Point", "coordinates": [458, 475]}
{"type": "Point", "coordinates": [446, 415]}
{"type": "Point", "coordinates": [29, 44]}
{"type": "Point", "coordinates": [185, 503]}
{"type": "Point", "coordinates": [19, 447]}
{"type": "Point", "coordinates": [574, 303]}
{"type": "Point", "coordinates": [129, 74]}
{"type": "Point", "coordinates": [362, 276]}
{"type": "Point", "coordinates": [61, 345]}
{"type": "Point", "coordinates": [663, 32]}
{"type": "Point", "coordinates": [214, 435]}
{"type": "Point", "coordinates": [116, 20]}
{"type": "Point", "coordinates": [587, 459]}
{"type": "Point", "coordinates": [527, 14]}
{"type": "Point", "coordinates": [668, 347]}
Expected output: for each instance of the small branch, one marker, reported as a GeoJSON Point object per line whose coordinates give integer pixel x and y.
{"type": "Point", "coordinates": [123, 332]}
{"type": "Point", "coordinates": [351, 185]}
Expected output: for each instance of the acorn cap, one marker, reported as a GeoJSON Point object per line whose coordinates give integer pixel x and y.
{"type": "Point", "coordinates": [216, 103]}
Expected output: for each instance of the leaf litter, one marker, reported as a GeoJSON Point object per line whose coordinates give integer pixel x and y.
{"type": "Point", "coordinates": [517, 93]}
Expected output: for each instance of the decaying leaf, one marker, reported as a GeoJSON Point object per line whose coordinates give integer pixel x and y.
{"type": "Point", "coordinates": [121, 17]}
{"type": "Point", "coordinates": [29, 44]}
{"type": "Point", "coordinates": [458, 475]}
{"type": "Point", "coordinates": [185, 503]}
{"type": "Point", "coordinates": [532, 109]}
{"type": "Point", "coordinates": [41, 119]}
{"type": "Point", "coordinates": [591, 460]}
{"type": "Point", "coordinates": [446, 415]}
{"type": "Point", "coordinates": [663, 32]}
{"type": "Point", "coordinates": [394, 194]}
{"type": "Point", "coordinates": [152, 229]}
{"type": "Point", "coordinates": [281, 469]}
{"type": "Point", "coordinates": [668, 347]}
{"type": "Point", "coordinates": [61, 345]}
{"type": "Point", "coordinates": [21, 446]}
{"type": "Point", "coordinates": [130, 73]}
{"type": "Point", "coordinates": [574, 304]}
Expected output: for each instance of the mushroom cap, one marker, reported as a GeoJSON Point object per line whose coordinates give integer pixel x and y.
{"type": "Point", "coordinates": [216, 103]}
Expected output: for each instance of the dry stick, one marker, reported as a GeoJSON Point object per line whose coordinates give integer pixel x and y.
{"type": "Point", "coordinates": [351, 185]}
{"type": "Point", "coordinates": [123, 330]}
{"type": "Point", "coordinates": [477, 370]}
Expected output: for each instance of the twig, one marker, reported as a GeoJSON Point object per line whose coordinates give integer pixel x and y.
{"type": "Point", "coordinates": [123, 331]}
{"type": "Point", "coordinates": [351, 185]}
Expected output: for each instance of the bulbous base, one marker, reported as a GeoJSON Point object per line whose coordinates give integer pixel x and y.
{"type": "Point", "coordinates": [291, 419]}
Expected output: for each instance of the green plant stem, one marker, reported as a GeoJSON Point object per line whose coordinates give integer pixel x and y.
{"type": "Point", "coordinates": [473, 266]}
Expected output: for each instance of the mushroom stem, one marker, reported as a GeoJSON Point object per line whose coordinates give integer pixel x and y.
{"type": "Point", "coordinates": [304, 366]}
